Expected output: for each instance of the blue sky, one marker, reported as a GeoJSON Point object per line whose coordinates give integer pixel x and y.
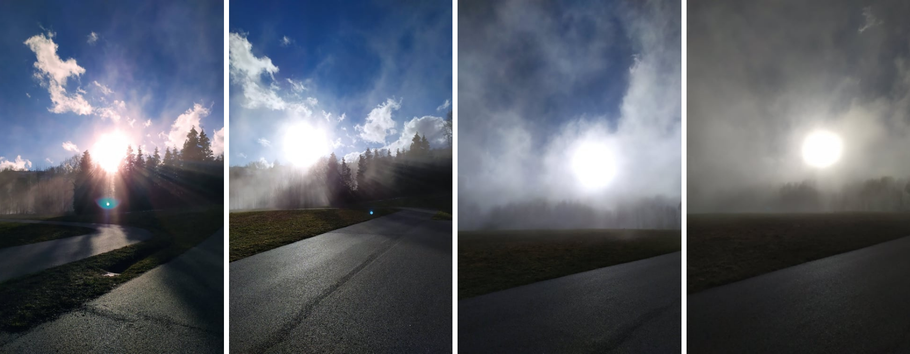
{"type": "Point", "coordinates": [71, 72]}
{"type": "Point", "coordinates": [384, 66]}
{"type": "Point", "coordinates": [568, 101]}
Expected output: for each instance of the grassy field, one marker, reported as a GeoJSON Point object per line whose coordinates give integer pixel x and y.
{"type": "Point", "coordinates": [40, 297]}
{"type": "Point", "coordinates": [16, 234]}
{"type": "Point", "coordinates": [724, 248]}
{"type": "Point", "coordinates": [489, 261]}
{"type": "Point", "coordinates": [441, 202]}
{"type": "Point", "coordinates": [259, 231]}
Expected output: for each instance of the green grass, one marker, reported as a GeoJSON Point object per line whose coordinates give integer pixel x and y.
{"type": "Point", "coordinates": [259, 231]}
{"type": "Point", "coordinates": [724, 248]}
{"type": "Point", "coordinates": [40, 297]}
{"type": "Point", "coordinates": [441, 215]}
{"type": "Point", "coordinates": [16, 234]}
{"type": "Point", "coordinates": [440, 202]}
{"type": "Point", "coordinates": [489, 261]}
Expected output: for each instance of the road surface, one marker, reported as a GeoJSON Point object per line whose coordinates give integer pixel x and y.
{"type": "Point", "coordinates": [855, 302]}
{"type": "Point", "coordinates": [26, 259]}
{"type": "Point", "coordinates": [631, 307]}
{"type": "Point", "coordinates": [177, 307]}
{"type": "Point", "coordinates": [384, 285]}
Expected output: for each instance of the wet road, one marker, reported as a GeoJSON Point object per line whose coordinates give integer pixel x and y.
{"type": "Point", "coordinates": [26, 259]}
{"type": "Point", "coordinates": [384, 285]}
{"type": "Point", "coordinates": [632, 307]}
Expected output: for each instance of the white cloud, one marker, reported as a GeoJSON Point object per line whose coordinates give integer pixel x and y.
{"type": "Point", "coordinates": [341, 119]}
{"type": "Point", "coordinates": [92, 38]}
{"type": "Point", "coordinates": [131, 121]}
{"type": "Point", "coordinates": [242, 155]}
{"type": "Point", "coordinates": [69, 146]}
{"type": "Point", "coordinates": [352, 157]}
{"type": "Point", "coordinates": [17, 165]}
{"type": "Point", "coordinates": [337, 143]}
{"type": "Point", "coordinates": [104, 89]}
{"type": "Point", "coordinates": [285, 41]}
{"type": "Point", "coordinates": [445, 105]}
{"type": "Point", "coordinates": [297, 86]}
{"type": "Point", "coordinates": [183, 124]}
{"type": "Point", "coordinates": [218, 142]}
{"type": "Point", "coordinates": [53, 72]}
{"type": "Point", "coordinates": [148, 123]}
{"type": "Point", "coordinates": [48, 159]}
{"type": "Point", "coordinates": [379, 122]}
{"type": "Point", "coordinates": [27, 95]}
{"type": "Point", "coordinates": [264, 142]}
{"type": "Point", "coordinates": [246, 70]}
{"type": "Point", "coordinates": [870, 19]}
{"type": "Point", "coordinates": [433, 128]}
{"type": "Point", "coordinates": [112, 112]}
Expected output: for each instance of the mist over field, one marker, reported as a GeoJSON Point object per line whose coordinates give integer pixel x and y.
{"type": "Point", "coordinates": [541, 81]}
{"type": "Point", "coordinates": [761, 78]}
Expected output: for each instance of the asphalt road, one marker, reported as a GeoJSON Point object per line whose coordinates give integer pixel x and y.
{"type": "Point", "coordinates": [631, 307]}
{"type": "Point", "coordinates": [177, 307]}
{"type": "Point", "coordinates": [384, 285]}
{"type": "Point", "coordinates": [26, 259]}
{"type": "Point", "coordinates": [855, 302]}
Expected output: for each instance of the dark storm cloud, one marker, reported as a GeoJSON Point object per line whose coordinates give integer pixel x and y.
{"type": "Point", "coordinates": [536, 78]}
{"type": "Point", "coordinates": [762, 75]}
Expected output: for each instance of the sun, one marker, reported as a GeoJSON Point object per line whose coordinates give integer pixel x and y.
{"type": "Point", "coordinates": [109, 150]}
{"type": "Point", "coordinates": [305, 144]}
{"type": "Point", "coordinates": [822, 149]}
{"type": "Point", "coordinates": [593, 165]}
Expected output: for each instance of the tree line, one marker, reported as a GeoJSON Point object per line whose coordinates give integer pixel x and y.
{"type": "Point", "coordinates": [373, 175]}
{"type": "Point", "coordinates": [644, 213]}
{"type": "Point", "coordinates": [181, 177]}
{"type": "Point", "coordinates": [882, 194]}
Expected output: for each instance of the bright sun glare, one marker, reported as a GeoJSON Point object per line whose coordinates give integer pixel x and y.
{"type": "Point", "coordinates": [304, 145]}
{"type": "Point", "coordinates": [109, 150]}
{"type": "Point", "coordinates": [593, 165]}
{"type": "Point", "coordinates": [822, 149]}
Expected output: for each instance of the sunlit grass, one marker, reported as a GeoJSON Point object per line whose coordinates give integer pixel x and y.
{"type": "Point", "coordinates": [259, 231]}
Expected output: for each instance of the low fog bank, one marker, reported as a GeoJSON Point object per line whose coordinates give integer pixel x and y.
{"type": "Point", "coordinates": [653, 213]}
{"type": "Point", "coordinates": [330, 182]}
{"type": "Point", "coordinates": [762, 78]}
{"type": "Point", "coordinates": [266, 186]}
{"type": "Point", "coordinates": [48, 191]}
{"type": "Point", "coordinates": [883, 194]}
